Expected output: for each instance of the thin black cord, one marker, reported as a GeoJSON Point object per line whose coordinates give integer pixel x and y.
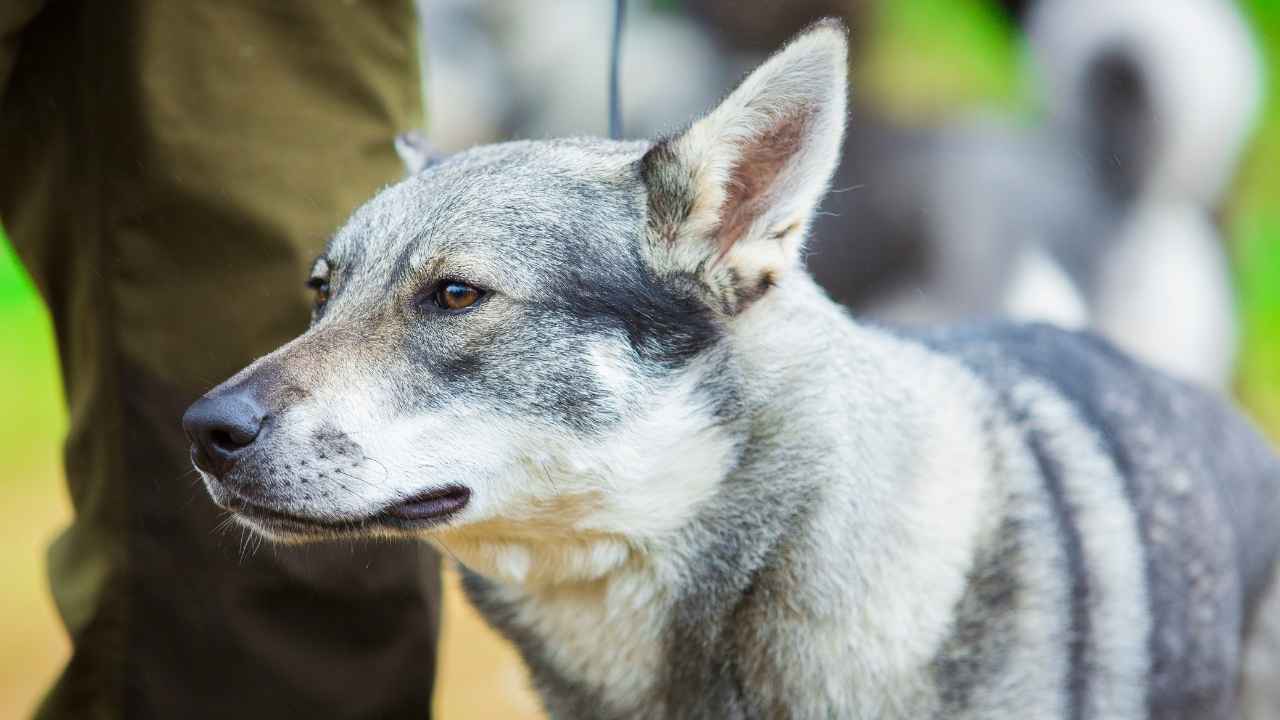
{"type": "Point", "coordinates": [615, 55]}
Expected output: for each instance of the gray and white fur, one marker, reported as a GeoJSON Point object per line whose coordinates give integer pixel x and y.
{"type": "Point", "coordinates": [687, 484]}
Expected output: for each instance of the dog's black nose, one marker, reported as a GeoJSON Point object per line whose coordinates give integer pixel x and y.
{"type": "Point", "coordinates": [221, 428]}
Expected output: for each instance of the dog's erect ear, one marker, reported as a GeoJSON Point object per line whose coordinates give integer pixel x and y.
{"type": "Point", "coordinates": [415, 152]}
{"type": "Point", "coordinates": [732, 197]}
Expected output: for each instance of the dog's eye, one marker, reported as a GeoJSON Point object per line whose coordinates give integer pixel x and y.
{"type": "Point", "coordinates": [455, 295]}
{"type": "Point", "coordinates": [321, 288]}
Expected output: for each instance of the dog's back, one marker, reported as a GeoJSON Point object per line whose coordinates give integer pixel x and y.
{"type": "Point", "coordinates": [1202, 490]}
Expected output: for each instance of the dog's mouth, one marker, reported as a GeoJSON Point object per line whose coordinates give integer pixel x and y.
{"type": "Point", "coordinates": [424, 510]}
{"type": "Point", "coordinates": [431, 507]}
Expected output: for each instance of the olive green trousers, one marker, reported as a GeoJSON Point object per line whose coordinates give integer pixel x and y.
{"type": "Point", "coordinates": [168, 170]}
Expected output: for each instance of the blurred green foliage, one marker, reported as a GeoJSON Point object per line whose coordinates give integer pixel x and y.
{"type": "Point", "coordinates": [1254, 220]}
{"type": "Point", "coordinates": [930, 57]}
{"type": "Point", "coordinates": [33, 417]}
{"type": "Point", "coordinates": [14, 285]}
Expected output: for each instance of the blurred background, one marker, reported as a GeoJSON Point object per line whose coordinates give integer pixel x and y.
{"type": "Point", "coordinates": [1070, 160]}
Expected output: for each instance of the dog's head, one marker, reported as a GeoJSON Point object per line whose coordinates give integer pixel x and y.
{"type": "Point", "coordinates": [528, 340]}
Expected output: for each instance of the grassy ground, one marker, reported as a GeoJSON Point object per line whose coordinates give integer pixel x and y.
{"type": "Point", "coordinates": [933, 55]}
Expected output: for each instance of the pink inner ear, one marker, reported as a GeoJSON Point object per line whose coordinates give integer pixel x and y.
{"type": "Point", "coordinates": [752, 182]}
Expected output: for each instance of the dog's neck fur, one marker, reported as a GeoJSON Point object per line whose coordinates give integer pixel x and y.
{"type": "Point", "coordinates": [630, 620]}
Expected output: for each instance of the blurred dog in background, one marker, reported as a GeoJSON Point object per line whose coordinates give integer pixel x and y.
{"type": "Point", "coordinates": [1101, 214]}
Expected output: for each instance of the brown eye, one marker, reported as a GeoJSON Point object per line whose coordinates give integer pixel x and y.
{"type": "Point", "coordinates": [454, 295]}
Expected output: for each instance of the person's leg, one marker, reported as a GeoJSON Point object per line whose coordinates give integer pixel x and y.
{"type": "Point", "coordinates": [14, 16]}
{"type": "Point", "coordinates": [169, 171]}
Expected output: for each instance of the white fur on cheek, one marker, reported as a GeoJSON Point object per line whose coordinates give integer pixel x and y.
{"type": "Point", "coordinates": [659, 467]}
{"type": "Point", "coordinates": [560, 508]}
{"type": "Point", "coordinates": [453, 445]}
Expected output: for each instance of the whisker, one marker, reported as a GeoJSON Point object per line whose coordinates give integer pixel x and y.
{"type": "Point", "coordinates": [386, 475]}
{"type": "Point", "coordinates": [224, 524]}
{"type": "Point", "coordinates": [348, 490]}
{"type": "Point", "coordinates": [550, 480]}
{"type": "Point", "coordinates": [243, 545]}
{"type": "Point", "coordinates": [353, 477]}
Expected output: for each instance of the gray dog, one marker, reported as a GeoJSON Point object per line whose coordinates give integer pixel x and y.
{"type": "Point", "coordinates": [686, 484]}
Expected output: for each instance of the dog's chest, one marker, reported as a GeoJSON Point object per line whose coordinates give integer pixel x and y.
{"type": "Point", "coordinates": [592, 651]}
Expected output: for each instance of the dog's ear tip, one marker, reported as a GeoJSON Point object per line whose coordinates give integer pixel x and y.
{"type": "Point", "coordinates": [828, 25]}
{"type": "Point", "coordinates": [829, 34]}
{"type": "Point", "coordinates": [809, 73]}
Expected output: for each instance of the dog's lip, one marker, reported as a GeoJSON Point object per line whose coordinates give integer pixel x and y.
{"type": "Point", "coordinates": [241, 506]}
{"type": "Point", "coordinates": [427, 508]}
{"type": "Point", "coordinates": [431, 506]}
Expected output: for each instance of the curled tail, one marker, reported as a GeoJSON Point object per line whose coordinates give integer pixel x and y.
{"type": "Point", "coordinates": [1164, 92]}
